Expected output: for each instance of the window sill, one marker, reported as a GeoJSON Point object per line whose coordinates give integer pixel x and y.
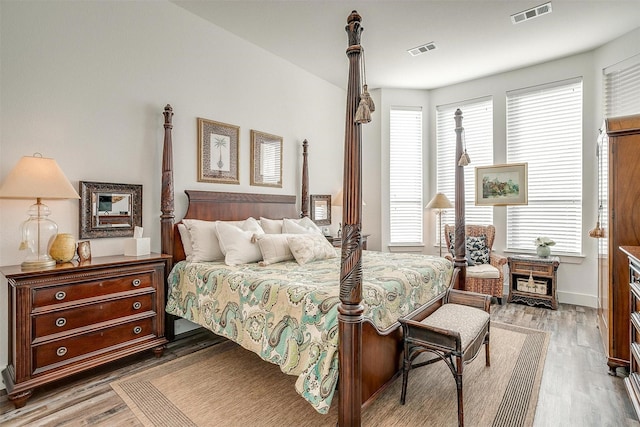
{"type": "Point", "coordinates": [406, 247]}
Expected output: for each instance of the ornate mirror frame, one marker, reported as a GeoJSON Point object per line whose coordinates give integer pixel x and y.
{"type": "Point", "coordinates": [119, 223]}
{"type": "Point", "coordinates": [320, 209]}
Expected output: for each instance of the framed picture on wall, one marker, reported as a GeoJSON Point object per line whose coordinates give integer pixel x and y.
{"type": "Point", "coordinates": [218, 152]}
{"type": "Point", "coordinates": [501, 185]}
{"type": "Point", "coordinates": [266, 159]}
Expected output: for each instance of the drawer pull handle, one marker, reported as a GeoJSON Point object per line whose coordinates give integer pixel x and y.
{"type": "Point", "coordinates": [137, 330]}
{"type": "Point", "coordinates": [137, 305]}
{"type": "Point", "coordinates": [60, 322]}
{"type": "Point", "coordinates": [61, 351]}
{"type": "Point", "coordinates": [136, 282]}
{"type": "Point", "coordinates": [60, 295]}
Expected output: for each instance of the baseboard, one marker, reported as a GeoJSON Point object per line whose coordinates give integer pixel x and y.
{"type": "Point", "coordinates": [584, 300]}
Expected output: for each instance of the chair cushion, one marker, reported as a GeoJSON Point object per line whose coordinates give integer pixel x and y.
{"type": "Point", "coordinates": [468, 321]}
{"type": "Point", "coordinates": [483, 271]}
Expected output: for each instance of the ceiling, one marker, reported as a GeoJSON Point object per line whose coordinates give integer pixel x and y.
{"type": "Point", "coordinates": [472, 38]}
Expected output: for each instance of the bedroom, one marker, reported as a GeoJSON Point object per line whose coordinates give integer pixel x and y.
{"type": "Point", "coordinates": [94, 79]}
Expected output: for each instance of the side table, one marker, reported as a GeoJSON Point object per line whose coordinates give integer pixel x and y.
{"type": "Point", "coordinates": [532, 280]}
{"type": "Point", "coordinates": [336, 241]}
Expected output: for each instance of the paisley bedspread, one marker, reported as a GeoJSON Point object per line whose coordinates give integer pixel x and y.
{"type": "Point", "coordinates": [287, 313]}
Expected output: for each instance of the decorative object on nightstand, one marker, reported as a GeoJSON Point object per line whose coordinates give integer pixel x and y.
{"type": "Point", "coordinates": [63, 248]}
{"type": "Point", "coordinates": [532, 280]}
{"type": "Point", "coordinates": [84, 251]}
{"type": "Point", "coordinates": [543, 244]}
{"type": "Point", "coordinates": [37, 177]}
{"type": "Point", "coordinates": [439, 202]}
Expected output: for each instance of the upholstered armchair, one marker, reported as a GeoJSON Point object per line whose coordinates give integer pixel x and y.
{"type": "Point", "coordinates": [485, 273]}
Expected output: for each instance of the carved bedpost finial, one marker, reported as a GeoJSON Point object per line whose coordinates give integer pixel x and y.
{"type": "Point", "coordinates": [354, 28]}
{"type": "Point", "coordinates": [168, 115]}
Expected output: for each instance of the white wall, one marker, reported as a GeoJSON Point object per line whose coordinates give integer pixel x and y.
{"type": "Point", "coordinates": [86, 83]}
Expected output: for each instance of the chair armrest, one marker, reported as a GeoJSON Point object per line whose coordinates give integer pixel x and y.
{"type": "Point", "coordinates": [431, 336]}
{"type": "Point", "coordinates": [497, 259]}
{"type": "Point", "coordinates": [471, 299]}
{"type": "Point", "coordinates": [448, 256]}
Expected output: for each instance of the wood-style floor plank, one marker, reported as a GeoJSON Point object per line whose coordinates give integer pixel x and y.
{"type": "Point", "coordinates": [576, 388]}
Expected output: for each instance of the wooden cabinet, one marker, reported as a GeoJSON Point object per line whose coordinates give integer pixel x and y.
{"type": "Point", "coordinates": [77, 316]}
{"type": "Point", "coordinates": [532, 280]}
{"type": "Point", "coordinates": [619, 173]}
{"type": "Point", "coordinates": [632, 382]}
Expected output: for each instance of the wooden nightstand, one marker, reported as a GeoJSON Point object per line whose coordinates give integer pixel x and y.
{"type": "Point", "coordinates": [74, 317]}
{"type": "Point", "coordinates": [543, 271]}
{"type": "Point", "coordinates": [337, 241]}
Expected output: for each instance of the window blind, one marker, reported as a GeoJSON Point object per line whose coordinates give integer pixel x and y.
{"type": "Point", "coordinates": [405, 175]}
{"type": "Point", "coordinates": [544, 129]}
{"type": "Point", "coordinates": [478, 137]}
{"type": "Point", "coordinates": [622, 88]}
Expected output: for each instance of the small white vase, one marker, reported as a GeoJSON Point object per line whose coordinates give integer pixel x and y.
{"type": "Point", "coordinates": [543, 251]}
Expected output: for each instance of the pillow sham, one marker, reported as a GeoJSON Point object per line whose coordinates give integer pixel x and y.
{"type": "Point", "coordinates": [310, 247]}
{"type": "Point", "coordinates": [249, 224]}
{"type": "Point", "coordinates": [204, 240]}
{"type": "Point", "coordinates": [237, 243]}
{"type": "Point", "coordinates": [273, 247]}
{"type": "Point", "coordinates": [300, 226]}
{"type": "Point", "coordinates": [185, 237]}
{"type": "Point", "coordinates": [271, 226]}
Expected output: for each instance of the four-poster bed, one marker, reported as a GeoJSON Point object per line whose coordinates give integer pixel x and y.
{"type": "Point", "coordinates": [368, 359]}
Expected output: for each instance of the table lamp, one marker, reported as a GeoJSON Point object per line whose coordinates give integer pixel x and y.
{"type": "Point", "coordinates": [439, 202]}
{"type": "Point", "coordinates": [37, 177]}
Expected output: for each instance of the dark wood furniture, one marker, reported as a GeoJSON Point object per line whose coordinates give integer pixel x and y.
{"type": "Point", "coordinates": [632, 382]}
{"type": "Point", "coordinates": [541, 289]}
{"type": "Point", "coordinates": [77, 316]}
{"type": "Point", "coordinates": [457, 330]}
{"type": "Point", "coordinates": [619, 169]}
{"type": "Point", "coordinates": [337, 241]}
{"type": "Point", "coordinates": [362, 374]}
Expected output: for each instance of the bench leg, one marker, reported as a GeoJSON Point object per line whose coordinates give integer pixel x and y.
{"type": "Point", "coordinates": [486, 352]}
{"type": "Point", "coordinates": [406, 366]}
{"type": "Point", "coordinates": [459, 367]}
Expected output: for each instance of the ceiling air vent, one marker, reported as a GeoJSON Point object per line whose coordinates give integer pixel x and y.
{"type": "Point", "coordinates": [415, 51]}
{"type": "Point", "coordinates": [534, 12]}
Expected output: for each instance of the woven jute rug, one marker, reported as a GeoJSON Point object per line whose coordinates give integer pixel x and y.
{"type": "Point", "coordinates": [226, 385]}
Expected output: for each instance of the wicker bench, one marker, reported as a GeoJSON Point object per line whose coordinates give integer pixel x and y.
{"type": "Point", "coordinates": [457, 329]}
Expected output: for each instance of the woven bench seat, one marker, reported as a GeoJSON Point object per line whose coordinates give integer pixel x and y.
{"type": "Point", "coordinates": [457, 329]}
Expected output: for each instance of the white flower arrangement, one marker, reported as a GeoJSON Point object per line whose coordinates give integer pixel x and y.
{"type": "Point", "coordinates": [544, 241]}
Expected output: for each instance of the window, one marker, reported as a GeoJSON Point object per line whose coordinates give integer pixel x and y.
{"type": "Point", "coordinates": [622, 88]}
{"type": "Point", "coordinates": [477, 121]}
{"type": "Point", "coordinates": [544, 129]}
{"type": "Point", "coordinates": [405, 175]}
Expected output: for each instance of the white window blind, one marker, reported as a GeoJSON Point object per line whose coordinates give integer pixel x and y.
{"type": "Point", "coordinates": [544, 129]}
{"type": "Point", "coordinates": [477, 121]}
{"type": "Point", "coordinates": [405, 180]}
{"type": "Point", "coordinates": [622, 88]}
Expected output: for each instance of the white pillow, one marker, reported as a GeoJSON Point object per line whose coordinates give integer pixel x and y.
{"type": "Point", "coordinates": [249, 224]}
{"type": "Point", "coordinates": [271, 226]}
{"type": "Point", "coordinates": [185, 237]}
{"type": "Point", "coordinates": [299, 226]}
{"type": "Point", "coordinates": [274, 248]}
{"type": "Point", "coordinates": [204, 240]}
{"type": "Point", "coordinates": [310, 247]}
{"type": "Point", "coordinates": [237, 243]}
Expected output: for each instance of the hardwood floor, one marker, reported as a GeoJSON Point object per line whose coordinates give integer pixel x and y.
{"type": "Point", "coordinates": [576, 389]}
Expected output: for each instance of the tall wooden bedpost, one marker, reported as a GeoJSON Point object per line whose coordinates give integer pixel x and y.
{"type": "Point", "coordinates": [460, 249]}
{"type": "Point", "coordinates": [304, 203]}
{"type": "Point", "coordinates": [350, 310]}
{"type": "Point", "coordinates": [167, 207]}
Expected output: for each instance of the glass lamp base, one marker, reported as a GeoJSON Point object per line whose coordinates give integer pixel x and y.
{"type": "Point", "coordinates": [38, 265]}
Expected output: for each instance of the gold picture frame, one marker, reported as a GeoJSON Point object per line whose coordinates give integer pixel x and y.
{"type": "Point", "coordinates": [502, 185]}
{"type": "Point", "coordinates": [218, 152]}
{"type": "Point", "coordinates": [266, 159]}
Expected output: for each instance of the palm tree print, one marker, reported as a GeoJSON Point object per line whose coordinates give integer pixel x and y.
{"type": "Point", "coordinates": [220, 142]}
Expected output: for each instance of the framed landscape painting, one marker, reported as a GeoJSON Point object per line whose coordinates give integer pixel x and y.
{"type": "Point", "coordinates": [501, 185]}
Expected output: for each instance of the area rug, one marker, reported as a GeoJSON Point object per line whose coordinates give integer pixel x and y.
{"type": "Point", "coordinates": [226, 385]}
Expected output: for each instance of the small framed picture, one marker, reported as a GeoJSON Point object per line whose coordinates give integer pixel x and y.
{"type": "Point", "coordinates": [84, 251]}
{"type": "Point", "coordinates": [266, 159]}
{"type": "Point", "coordinates": [218, 152]}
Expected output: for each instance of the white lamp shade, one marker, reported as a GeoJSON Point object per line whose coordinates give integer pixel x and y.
{"type": "Point", "coordinates": [439, 201]}
{"type": "Point", "coordinates": [37, 177]}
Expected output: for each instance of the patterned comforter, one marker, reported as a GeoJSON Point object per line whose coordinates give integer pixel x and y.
{"type": "Point", "coordinates": [287, 313]}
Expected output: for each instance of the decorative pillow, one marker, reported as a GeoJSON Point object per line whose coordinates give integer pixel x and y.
{"type": "Point", "coordinates": [237, 243]}
{"type": "Point", "coordinates": [204, 240]}
{"type": "Point", "coordinates": [274, 248]}
{"type": "Point", "coordinates": [477, 249]}
{"type": "Point", "coordinates": [300, 226]}
{"type": "Point", "coordinates": [249, 224]}
{"type": "Point", "coordinates": [310, 247]}
{"type": "Point", "coordinates": [185, 237]}
{"type": "Point", "coordinates": [271, 226]}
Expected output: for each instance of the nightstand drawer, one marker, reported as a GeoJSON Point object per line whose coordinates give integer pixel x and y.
{"type": "Point", "coordinates": [70, 350]}
{"type": "Point", "coordinates": [73, 292]}
{"type": "Point", "coordinates": [65, 320]}
{"type": "Point", "coordinates": [518, 267]}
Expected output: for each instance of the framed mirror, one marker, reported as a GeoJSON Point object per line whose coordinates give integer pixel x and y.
{"type": "Point", "coordinates": [321, 209]}
{"type": "Point", "coordinates": [109, 210]}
